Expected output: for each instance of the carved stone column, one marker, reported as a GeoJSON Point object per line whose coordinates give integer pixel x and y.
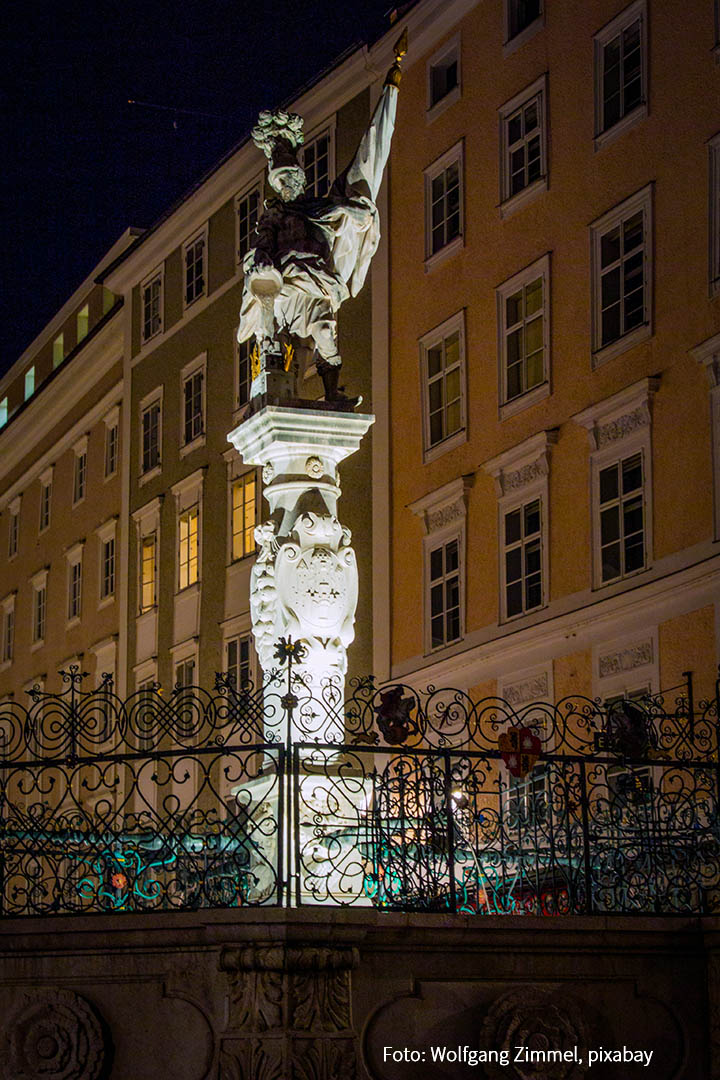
{"type": "Point", "coordinates": [289, 1013]}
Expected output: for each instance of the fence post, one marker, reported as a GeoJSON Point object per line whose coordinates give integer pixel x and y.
{"type": "Point", "coordinates": [450, 821]}
{"type": "Point", "coordinates": [688, 676]}
{"type": "Point", "coordinates": [586, 840]}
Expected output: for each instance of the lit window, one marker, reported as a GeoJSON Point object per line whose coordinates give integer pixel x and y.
{"type": "Point", "coordinates": [80, 476]}
{"type": "Point", "coordinates": [111, 449]}
{"type": "Point", "coordinates": [3, 412]}
{"type": "Point", "coordinates": [39, 611]}
{"type": "Point", "coordinates": [58, 350]}
{"type": "Point", "coordinates": [150, 427]}
{"type": "Point", "coordinates": [238, 662]}
{"type": "Point", "coordinates": [185, 673]}
{"type": "Point", "coordinates": [243, 516]}
{"type": "Point", "coordinates": [147, 572]}
{"type": "Point", "coordinates": [108, 300]}
{"type": "Point", "coordinates": [444, 204]}
{"type": "Point", "coordinates": [244, 373]}
{"type": "Point", "coordinates": [29, 382]}
{"type": "Point", "coordinates": [74, 589]}
{"type": "Point", "coordinates": [523, 167]}
{"type": "Point", "coordinates": [523, 337]}
{"type": "Point", "coordinates": [188, 547]}
{"type": "Point", "coordinates": [523, 558]}
{"type": "Point", "coordinates": [193, 406]}
{"type": "Point", "coordinates": [151, 293]}
{"type": "Point", "coordinates": [195, 274]}
{"type": "Point", "coordinates": [247, 209]}
{"type": "Point", "coordinates": [621, 73]}
{"type": "Point", "coordinates": [444, 77]}
{"type": "Point", "coordinates": [522, 18]}
{"type": "Point", "coordinates": [621, 276]}
{"type": "Point", "coordinates": [442, 359]}
{"type": "Point", "coordinates": [714, 186]}
{"type": "Point", "coordinates": [444, 593]}
{"type": "Point", "coordinates": [622, 518]}
{"type": "Point", "coordinates": [83, 322]}
{"type": "Point", "coordinates": [45, 502]}
{"type": "Point", "coordinates": [315, 158]}
{"type": "Point", "coordinates": [107, 575]}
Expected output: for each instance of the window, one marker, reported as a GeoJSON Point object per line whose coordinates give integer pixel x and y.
{"type": "Point", "coordinates": [80, 473]}
{"type": "Point", "coordinates": [151, 305]}
{"type": "Point", "coordinates": [58, 350]}
{"type": "Point", "coordinates": [45, 499]}
{"type": "Point", "coordinates": [621, 73]}
{"type": "Point", "coordinates": [621, 272]}
{"type": "Point", "coordinates": [622, 532]}
{"type": "Point", "coordinates": [523, 558]}
{"type": "Point", "coordinates": [238, 661]}
{"type": "Point", "coordinates": [74, 581]}
{"type": "Point", "coordinates": [3, 412]}
{"type": "Point", "coordinates": [150, 432]}
{"type": "Point", "coordinates": [8, 629]}
{"type": "Point", "coordinates": [528, 798]}
{"type": "Point", "coordinates": [522, 19]}
{"type": "Point", "coordinates": [108, 300]}
{"type": "Point", "coordinates": [247, 208]}
{"type": "Point", "coordinates": [443, 75]}
{"type": "Point", "coordinates": [444, 205]}
{"type": "Point", "coordinates": [185, 673]}
{"type": "Point", "coordinates": [111, 449]}
{"type": "Point", "coordinates": [188, 547]}
{"type": "Point", "coordinates": [107, 574]}
{"type": "Point", "coordinates": [714, 218]}
{"type": "Point", "coordinates": [39, 608]}
{"type": "Point", "coordinates": [193, 414]}
{"type": "Point", "coordinates": [29, 382]}
{"type": "Point", "coordinates": [523, 142]}
{"type": "Point", "coordinates": [83, 323]}
{"type": "Point", "coordinates": [316, 161]}
{"type": "Point", "coordinates": [13, 528]}
{"type": "Point", "coordinates": [442, 365]}
{"type": "Point", "coordinates": [244, 516]}
{"type": "Point", "coordinates": [195, 271]}
{"type": "Point", "coordinates": [444, 593]}
{"type": "Point", "coordinates": [148, 559]}
{"type": "Point", "coordinates": [244, 373]}
{"type": "Point", "coordinates": [707, 353]}
{"type": "Point", "coordinates": [523, 338]}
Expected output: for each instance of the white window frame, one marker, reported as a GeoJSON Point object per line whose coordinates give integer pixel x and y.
{"type": "Point", "coordinates": [185, 653]}
{"type": "Point", "coordinates": [112, 423]}
{"type": "Point", "coordinates": [46, 483]}
{"type": "Point", "coordinates": [437, 336]}
{"type": "Point", "coordinates": [197, 366]}
{"type": "Point", "coordinates": [188, 494]}
{"type": "Point", "coordinates": [636, 12]}
{"type": "Point", "coordinates": [708, 354]}
{"type": "Point", "coordinates": [14, 527]}
{"type": "Point", "coordinates": [455, 155]}
{"type": "Point", "coordinates": [714, 214]}
{"type": "Point", "coordinates": [106, 534]}
{"type": "Point", "coordinates": [534, 493]}
{"type": "Point", "coordinates": [255, 187]}
{"type": "Point", "coordinates": [157, 275]}
{"type": "Point", "coordinates": [58, 348]}
{"type": "Point", "coordinates": [641, 201]}
{"type": "Point", "coordinates": [147, 524]}
{"type": "Point", "coordinates": [155, 397]}
{"type": "Point", "coordinates": [80, 471]}
{"type": "Point", "coordinates": [241, 476]}
{"type": "Point", "coordinates": [509, 407]}
{"type": "Point", "coordinates": [105, 653]}
{"type": "Point", "coordinates": [82, 322]}
{"type": "Point", "coordinates": [74, 558]}
{"type": "Point", "coordinates": [7, 631]}
{"type": "Point", "coordinates": [443, 513]}
{"type": "Point", "coordinates": [39, 586]}
{"type": "Point", "coordinates": [201, 235]}
{"type": "Point", "coordinates": [509, 202]}
{"type": "Point", "coordinates": [325, 130]}
{"type": "Point", "coordinates": [29, 384]}
{"type": "Point", "coordinates": [449, 51]}
{"type": "Point", "coordinates": [150, 536]}
{"type": "Point", "coordinates": [618, 428]}
{"type": "Point", "coordinates": [236, 639]}
{"type": "Point", "coordinates": [510, 44]}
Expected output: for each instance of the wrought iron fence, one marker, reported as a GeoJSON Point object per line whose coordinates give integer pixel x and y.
{"type": "Point", "coordinates": [392, 798]}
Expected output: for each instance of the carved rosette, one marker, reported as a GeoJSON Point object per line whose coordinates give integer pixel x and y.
{"type": "Point", "coordinates": [534, 1018]}
{"type": "Point", "coordinates": [54, 1035]}
{"type": "Point", "coordinates": [289, 1013]}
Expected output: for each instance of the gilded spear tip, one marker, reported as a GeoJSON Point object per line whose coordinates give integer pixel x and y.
{"type": "Point", "coordinates": [394, 75]}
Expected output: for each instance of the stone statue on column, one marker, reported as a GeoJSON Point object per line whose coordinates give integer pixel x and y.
{"type": "Point", "coordinates": [311, 253]}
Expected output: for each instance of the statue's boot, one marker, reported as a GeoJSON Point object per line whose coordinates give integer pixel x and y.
{"type": "Point", "coordinates": [330, 375]}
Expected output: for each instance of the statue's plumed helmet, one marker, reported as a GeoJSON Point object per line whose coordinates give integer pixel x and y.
{"type": "Point", "coordinates": [279, 134]}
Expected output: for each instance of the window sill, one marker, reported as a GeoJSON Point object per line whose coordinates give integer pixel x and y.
{"type": "Point", "coordinates": [439, 649]}
{"type": "Point", "coordinates": [187, 589]}
{"type": "Point", "coordinates": [151, 337]}
{"type": "Point", "coordinates": [37, 645]}
{"type": "Point", "coordinates": [444, 447]}
{"type": "Point", "coordinates": [78, 502]}
{"type": "Point", "coordinates": [524, 401]}
{"type": "Point", "coordinates": [715, 287]}
{"type": "Point", "coordinates": [525, 35]}
{"type": "Point", "coordinates": [444, 253]}
{"type": "Point", "coordinates": [506, 619]}
{"type": "Point", "coordinates": [621, 345]}
{"type": "Point", "coordinates": [444, 103]}
{"type": "Point", "coordinates": [75, 621]}
{"type": "Point", "coordinates": [509, 206]}
{"type": "Point", "coordinates": [196, 443]}
{"type": "Point", "coordinates": [599, 585]}
{"type": "Point", "coordinates": [109, 476]}
{"type": "Point", "coordinates": [145, 477]}
{"type": "Point", "coordinates": [635, 116]}
{"type": "Point", "coordinates": [188, 304]}
{"type": "Point", "coordinates": [5, 665]}
{"type": "Point", "coordinates": [106, 601]}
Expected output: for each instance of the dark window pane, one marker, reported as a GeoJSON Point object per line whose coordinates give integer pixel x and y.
{"type": "Point", "coordinates": [611, 562]}
{"type": "Point", "coordinates": [512, 527]}
{"type": "Point", "coordinates": [610, 247]}
{"type": "Point", "coordinates": [632, 473]}
{"type": "Point", "coordinates": [532, 518]}
{"type": "Point", "coordinates": [610, 525]}
{"type": "Point", "coordinates": [513, 564]}
{"type": "Point", "coordinates": [451, 557]}
{"type": "Point", "coordinates": [436, 564]}
{"type": "Point", "coordinates": [513, 597]}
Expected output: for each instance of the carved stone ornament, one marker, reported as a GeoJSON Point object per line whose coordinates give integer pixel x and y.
{"type": "Point", "coordinates": [54, 1035]}
{"type": "Point", "coordinates": [634, 656]}
{"type": "Point", "coordinates": [537, 1020]}
{"type": "Point", "coordinates": [314, 467]}
{"type": "Point", "coordinates": [268, 472]}
{"type": "Point", "coordinates": [533, 689]}
{"type": "Point", "coordinates": [520, 478]}
{"type": "Point", "coordinates": [622, 426]}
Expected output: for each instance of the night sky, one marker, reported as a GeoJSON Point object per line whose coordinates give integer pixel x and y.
{"type": "Point", "coordinates": [81, 164]}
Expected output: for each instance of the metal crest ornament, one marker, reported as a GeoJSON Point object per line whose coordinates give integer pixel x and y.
{"type": "Point", "coordinates": [520, 749]}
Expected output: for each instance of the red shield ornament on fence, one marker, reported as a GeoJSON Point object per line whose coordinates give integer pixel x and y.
{"type": "Point", "coordinates": [520, 749]}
